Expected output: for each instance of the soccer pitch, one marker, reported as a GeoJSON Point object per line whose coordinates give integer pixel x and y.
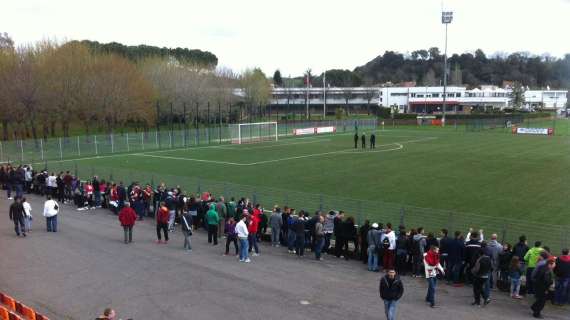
{"type": "Point", "coordinates": [493, 175]}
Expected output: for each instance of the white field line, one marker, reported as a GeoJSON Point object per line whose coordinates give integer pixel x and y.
{"type": "Point", "coordinates": [399, 146]}
{"type": "Point", "coordinates": [238, 147]}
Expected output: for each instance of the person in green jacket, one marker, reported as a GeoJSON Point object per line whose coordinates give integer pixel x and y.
{"type": "Point", "coordinates": [212, 219]}
{"type": "Point", "coordinates": [531, 258]}
{"type": "Point", "coordinates": [232, 208]}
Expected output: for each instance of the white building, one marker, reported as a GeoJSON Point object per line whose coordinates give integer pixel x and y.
{"type": "Point", "coordinates": [418, 99]}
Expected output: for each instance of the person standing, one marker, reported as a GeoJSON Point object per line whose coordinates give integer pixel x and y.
{"type": "Point", "coordinates": [186, 227]}
{"type": "Point", "coordinates": [389, 237]}
{"type": "Point", "coordinates": [162, 222]}
{"type": "Point", "coordinates": [542, 280]}
{"type": "Point", "coordinates": [373, 244]}
{"type": "Point", "coordinates": [432, 266]}
{"type": "Point", "coordinates": [212, 220]}
{"type": "Point", "coordinates": [562, 272]}
{"type": "Point", "coordinates": [363, 240]}
{"type": "Point", "coordinates": [17, 215]}
{"type": "Point", "coordinates": [481, 272]}
{"type": "Point", "coordinates": [222, 210]}
{"type": "Point", "coordinates": [243, 233]}
{"type": "Point", "coordinates": [275, 222]}
{"type": "Point", "coordinates": [51, 209]}
{"type": "Point", "coordinates": [328, 228]}
{"type": "Point", "coordinates": [299, 228]}
{"type": "Point", "coordinates": [515, 273]}
{"type": "Point", "coordinates": [127, 217]}
{"type": "Point", "coordinates": [531, 258]}
{"type": "Point", "coordinates": [363, 140]}
{"type": "Point", "coordinates": [319, 237]}
{"type": "Point", "coordinates": [372, 141]}
{"type": "Point", "coordinates": [493, 249]}
{"type": "Point", "coordinates": [391, 290]}
{"type": "Point", "coordinates": [96, 191]}
{"type": "Point", "coordinates": [28, 214]}
{"type": "Point", "coordinates": [231, 236]}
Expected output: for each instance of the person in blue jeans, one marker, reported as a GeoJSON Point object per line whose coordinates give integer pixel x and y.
{"type": "Point", "coordinates": [243, 233]}
{"type": "Point", "coordinates": [432, 266]}
{"type": "Point", "coordinates": [373, 238]}
{"type": "Point", "coordinates": [391, 290]}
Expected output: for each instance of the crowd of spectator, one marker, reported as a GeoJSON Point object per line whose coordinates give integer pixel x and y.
{"type": "Point", "coordinates": [459, 260]}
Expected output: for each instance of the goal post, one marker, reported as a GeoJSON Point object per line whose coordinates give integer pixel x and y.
{"type": "Point", "coordinates": [253, 132]}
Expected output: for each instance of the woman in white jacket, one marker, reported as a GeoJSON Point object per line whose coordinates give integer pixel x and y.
{"type": "Point", "coordinates": [51, 209]}
{"type": "Point", "coordinates": [28, 217]}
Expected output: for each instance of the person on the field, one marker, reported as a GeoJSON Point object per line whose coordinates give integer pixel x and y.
{"type": "Point", "coordinates": [391, 290]}
{"type": "Point", "coordinates": [372, 141]}
{"type": "Point", "coordinates": [17, 215]}
{"type": "Point", "coordinates": [356, 140]}
{"type": "Point", "coordinates": [127, 217]}
{"type": "Point", "coordinates": [363, 140]}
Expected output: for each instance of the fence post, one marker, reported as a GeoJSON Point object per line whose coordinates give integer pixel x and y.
{"type": "Point", "coordinates": [321, 202]}
{"type": "Point", "coordinates": [75, 168]}
{"type": "Point", "coordinates": [60, 150]}
{"type": "Point", "coordinates": [504, 232]}
{"type": "Point", "coordinates": [286, 200]}
{"type": "Point", "coordinates": [152, 181]}
{"type": "Point", "coordinates": [402, 216]}
{"type": "Point", "coordinates": [156, 137]}
{"type": "Point", "coordinates": [22, 149]}
{"type": "Point", "coordinates": [78, 149]}
{"type": "Point", "coordinates": [142, 140]}
{"type": "Point", "coordinates": [112, 143]}
{"type": "Point", "coordinates": [199, 187]}
{"type": "Point", "coordinates": [450, 227]}
{"type": "Point", "coordinates": [359, 213]}
{"type": "Point", "coordinates": [95, 141]}
{"type": "Point", "coordinates": [2, 152]}
{"type": "Point", "coordinates": [226, 190]}
{"type": "Point", "coordinates": [170, 138]}
{"type": "Point", "coordinates": [42, 148]}
{"type": "Point", "coordinates": [128, 146]}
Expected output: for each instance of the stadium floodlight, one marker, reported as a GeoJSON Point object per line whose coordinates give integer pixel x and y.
{"type": "Point", "coordinates": [253, 132]}
{"type": "Point", "coordinates": [446, 18]}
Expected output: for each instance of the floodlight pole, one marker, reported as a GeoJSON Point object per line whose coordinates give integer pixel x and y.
{"type": "Point", "coordinates": [446, 17]}
{"type": "Point", "coordinates": [324, 95]}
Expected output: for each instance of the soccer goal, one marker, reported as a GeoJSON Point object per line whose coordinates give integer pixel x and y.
{"type": "Point", "coordinates": [253, 132]}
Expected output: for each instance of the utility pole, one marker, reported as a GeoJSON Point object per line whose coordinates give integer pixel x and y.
{"type": "Point", "coordinates": [446, 18]}
{"type": "Point", "coordinates": [324, 95]}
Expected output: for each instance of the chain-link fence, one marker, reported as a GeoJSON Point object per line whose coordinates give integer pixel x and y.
{"type": "Point", "coordinates": [40, 150]}
{"type": "Point", "coordinates": [433, 220]}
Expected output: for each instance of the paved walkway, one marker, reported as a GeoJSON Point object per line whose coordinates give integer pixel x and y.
{"type": "Point", "coordinates": [85, 267]}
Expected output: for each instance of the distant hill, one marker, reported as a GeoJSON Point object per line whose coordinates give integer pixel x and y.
{"type": "Point", "coordinates": [193, 56]}
{"type": "Point", "coordinates": [425, 67]}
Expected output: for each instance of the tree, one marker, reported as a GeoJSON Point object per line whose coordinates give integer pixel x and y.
{"type": "Point", "coordinates": [277, 80]}
{"type": "Point", "coordinates": [256, 87]}
{"type": "Point", "coordinates": [429, 79]}
{"type": "Point", "coordinates": [518, 96]}
{"type": "Point", "coordinates": [7, 98]}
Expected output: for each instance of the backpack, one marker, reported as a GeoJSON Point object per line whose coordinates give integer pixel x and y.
{"type": "Point", "coordinates": [484, 265]}
{"type": "Point", "coordinates": [415, 247]}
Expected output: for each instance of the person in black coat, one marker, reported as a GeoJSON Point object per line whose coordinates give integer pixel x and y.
{"type": "Point", "coordinates": [455, 255]}
{"type": "Point", "coordinates": [542, 280]}
{"type": "Point", "coordinates": [391, 290]}
{"type": "Point", "coordinates": [363, 234]}
{"type": "Point", "coordinates": [363, 140]}
{"type": "Point", "coordinates": [17, 215]}
{"type": "Point", "coordinates": [372, 141]}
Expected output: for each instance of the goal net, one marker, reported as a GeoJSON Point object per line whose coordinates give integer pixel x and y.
{"type": "Point", "coordinates": [253, 132]}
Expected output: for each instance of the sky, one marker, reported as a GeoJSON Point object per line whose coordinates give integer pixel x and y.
{"type": "Point", "coordinates": [295, 35]}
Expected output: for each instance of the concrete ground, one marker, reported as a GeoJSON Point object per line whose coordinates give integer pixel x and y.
{"type": "Point", "coordinates": [85, 267]}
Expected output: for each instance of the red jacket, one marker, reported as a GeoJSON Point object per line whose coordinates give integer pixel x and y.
{"type": "Point", "coordinates": [253, 224]}
{"type": "Point", "coordinates": [163, 215]}
{"type": "Point", "coordinates": [127, 216]}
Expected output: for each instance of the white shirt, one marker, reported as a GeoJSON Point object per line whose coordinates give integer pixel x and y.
{"type": "Point", "coordinates": [241, 229]}
{"type": "Point", "coordinates": [49, 208]}
{"type": "Point", "coordinates": [52, 181]}
{"type": "Point", "coordinates": [27, 209]}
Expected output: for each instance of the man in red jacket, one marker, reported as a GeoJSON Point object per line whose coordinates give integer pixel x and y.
{"type": "Point", "coordinates": [127, 217]}
{"type": "Point", "coordinates": [252, 227]}
{"type": "Point", "coordinates": [162, 222]}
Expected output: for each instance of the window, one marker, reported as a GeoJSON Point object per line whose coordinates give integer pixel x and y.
{"type": "Point", "coordinates": [435, 95]}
